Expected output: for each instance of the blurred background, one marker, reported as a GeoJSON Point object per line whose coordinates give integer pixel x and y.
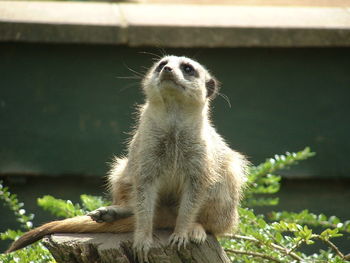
{"type": "Point", "coordinates": [70, 80]}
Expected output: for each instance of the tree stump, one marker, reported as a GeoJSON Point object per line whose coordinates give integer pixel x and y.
{"type": "Point", "coordinates": [117, 248]}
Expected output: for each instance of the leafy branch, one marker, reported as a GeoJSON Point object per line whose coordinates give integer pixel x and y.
{"type": "Point", "coordinates": [35, 253]}
{"type": "Point", "coordinates": [285, 251]}
{"type": "Point", "coordinates": [267, 241]}
{"type": "Point", "coordinates": [254, 254]}
{"type": "Point", "coordinates": [65, 208]}
{"type": "Point", "coordinates": [279, 162]}
{"type": "Point", "coordinates": [12, 202]}
{"type": "Point", "coordinates": [280, 238]}
{"type": "Point", "coordinates": [263, 181]}
{"type": "Point", "coordinates": [305, 217]}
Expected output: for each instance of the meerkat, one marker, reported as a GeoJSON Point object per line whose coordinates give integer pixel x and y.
{"type": "Point", "coordinates": [179, 172]}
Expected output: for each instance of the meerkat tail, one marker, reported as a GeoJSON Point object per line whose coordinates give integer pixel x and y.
{"type": "Point", "coordinates": [79, 224]}
{"type": "Point", "coordinates": [84, 224]}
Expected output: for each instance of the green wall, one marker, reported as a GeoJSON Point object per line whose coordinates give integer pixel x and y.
{"type": "Point", "coordinates": [64, 111]}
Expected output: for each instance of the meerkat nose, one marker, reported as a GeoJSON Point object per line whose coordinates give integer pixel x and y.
{"type": "Point", "coordinates": [167, 69]}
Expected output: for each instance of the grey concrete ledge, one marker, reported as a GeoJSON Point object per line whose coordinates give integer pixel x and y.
{"type": "Point", "coordinates": [174, 25]}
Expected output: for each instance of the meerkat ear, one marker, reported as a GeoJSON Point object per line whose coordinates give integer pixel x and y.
{"type": "Point", "coordinates": [212, 86]}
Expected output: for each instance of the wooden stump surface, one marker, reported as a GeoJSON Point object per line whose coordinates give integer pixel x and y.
{"type": "Point", "coordinates": [117, 248]}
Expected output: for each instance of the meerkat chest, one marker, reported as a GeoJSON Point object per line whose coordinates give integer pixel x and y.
{"type": "Point", "coordinates": [175, 147]}
{"type": "Point", "coordinates": [173, 144]}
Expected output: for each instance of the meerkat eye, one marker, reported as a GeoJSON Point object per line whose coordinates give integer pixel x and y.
{"type": "Point", "coordinates": [188, 69]}
{"type": "Point", "coordinates": [161, 66]}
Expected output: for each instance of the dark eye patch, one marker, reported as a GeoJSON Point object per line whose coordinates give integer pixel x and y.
{"type": "Point", "coordinates": [161, 65]}
{"type": "Point", "coordinates": [188, 69]}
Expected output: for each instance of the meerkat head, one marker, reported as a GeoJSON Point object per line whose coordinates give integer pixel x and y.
{"type": "Point", "coordinates": [181, 79]}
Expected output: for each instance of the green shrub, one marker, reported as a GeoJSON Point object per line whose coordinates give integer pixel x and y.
{"type": "Point", "coordinates": [37, 253]}
{"type": "Point", "coordinates": [277, 238]}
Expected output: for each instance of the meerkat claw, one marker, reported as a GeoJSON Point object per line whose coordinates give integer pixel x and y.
{"type": "Point", "coordinates": [141, 250]}
{"type": "Point", "coordinates": [180, 241]}
{"type": "Point", "coordinates": [197, 234]}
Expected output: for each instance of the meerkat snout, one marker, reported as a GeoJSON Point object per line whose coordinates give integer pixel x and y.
{"type": "Point", "coordinates": [167, 73]}
{"type": "Point", "coordinates": [182, 77]}
{"type": "Point", "coordinates": [167, 69]}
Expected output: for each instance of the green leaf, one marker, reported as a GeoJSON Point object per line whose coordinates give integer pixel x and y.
{"type": "Point", "coordinates": [330, 233]}
{"type": "Point", "coordinates": [10, 234]}
{"type": "Point", "coordinates": [261, 223]}
{"type": "Point", "coordinates": [278, 237]}
{"type": "Point", "coordinates": [91, 203]}
{"type": "Point", "coordinates": [60, 207]}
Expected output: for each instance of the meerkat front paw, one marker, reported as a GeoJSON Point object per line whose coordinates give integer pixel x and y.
{"type": "Point", "coordinates": [141, 249]}
{"type": "Point", "coordinates": [197, 234]}
{"type": "Point", "coordinates": [110, 213]}
{"type": "Point", "coordinates": [103, 214]}
{"type": "Point", "coordinates": [178, 239]}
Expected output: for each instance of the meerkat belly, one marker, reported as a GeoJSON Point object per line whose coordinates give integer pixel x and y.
{"type": "Point", "coordinates": [175, 150]}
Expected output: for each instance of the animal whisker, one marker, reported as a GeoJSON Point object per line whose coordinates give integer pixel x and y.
{"type": "Point", "coordinates": [141, 75]}
{"type": "Point", "coordinates": [227, 99]}
{"type": "Point", "coordinates": [128, 77]}
{"type": "Point", "coordinates": [155, 56]}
